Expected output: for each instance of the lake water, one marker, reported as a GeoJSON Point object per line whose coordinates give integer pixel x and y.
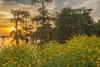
{"type": "Point", "coordinates": [5, 41]}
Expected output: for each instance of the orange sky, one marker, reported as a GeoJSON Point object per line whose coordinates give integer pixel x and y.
{"type": "Point", "coordinates": [4, 27]}
{"type": "Point", "coordinates": [4, 31]}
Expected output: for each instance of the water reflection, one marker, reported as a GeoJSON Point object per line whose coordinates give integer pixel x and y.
{"type": "Point", "coordinates": [5, 41]}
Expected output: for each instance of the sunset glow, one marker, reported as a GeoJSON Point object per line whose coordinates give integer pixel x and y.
{"type": "Point", "coordinates": [7, 30]}
{"type": "Point", "coordinates": [13, 28]}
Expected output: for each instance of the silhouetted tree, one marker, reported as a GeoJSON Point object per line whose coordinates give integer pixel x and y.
{"type": "Point", "coordinates": [43, 14]}
{"type": "Point", "coordinates": [19, 16]}
{"type": "Point", "coordinates": [40, 29]}
{"type": "Point", "coordinates": [19, 36]}
{"type": "Point", "coordinates": [16, 19]}
{"type": "Point", "coordinates": [26, 19]}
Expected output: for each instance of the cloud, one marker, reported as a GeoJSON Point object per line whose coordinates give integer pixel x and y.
{"type": "Point", "coordinates": [4, 18]}
{"type": "Point", "coordinates": [66, 3]}
{"type": "Point", "coordinates": [5, 14]}
{"type": "Point", "coordinates": [59, 4]}
{"type": "Point", "coordinates": [14, 5]}
{"type": "Point", "coordinates": [87, 3]}
{"type": "Point", "coordinates": [51, 6]}
{"type": "Point", "coordinates": [55, 5]}
{"type": "Point", "coordinates": [1, 1]}
{"type": "Point", "coordinates": [5, 11]}
{"type": "Point", "coordinates": [96, 11]}
{"type": "Point", "coordinates": [20, 1]}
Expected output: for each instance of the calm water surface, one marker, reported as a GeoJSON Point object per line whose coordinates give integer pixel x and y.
{"type": "Point", "coordinates": [5, 41]}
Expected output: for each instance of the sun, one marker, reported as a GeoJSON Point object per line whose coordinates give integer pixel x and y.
{"type": "Point", "coordinates": [12, 28]}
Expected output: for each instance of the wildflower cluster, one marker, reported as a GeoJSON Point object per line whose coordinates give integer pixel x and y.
{"type": "Point", "coordinates": [81, 51]}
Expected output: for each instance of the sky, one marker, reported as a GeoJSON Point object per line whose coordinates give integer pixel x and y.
{"type": "Point", "coordinates": [7, 5]}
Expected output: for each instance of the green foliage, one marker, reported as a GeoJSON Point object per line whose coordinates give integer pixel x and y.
{"type": "Point", "coordinates": [44, 17]}
{"type": "Point", "coordinates": [97, 28]}
{"type": "Point", "coordinates": [20, 55]}
{"type": "Point", "coordinates": [19, 16]}
{"type": "Point", "coordinates": [81, 51]}
{"type": "Point", "coordinates": [20, 35]}
{"type": "Point", "coordinates": [43, 27]}
{"type": "Point", "coordinates": [72, 21]}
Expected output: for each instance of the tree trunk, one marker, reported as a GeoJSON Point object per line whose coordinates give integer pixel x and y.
{"type": "Point", "coordinates": [16, 35]}
{"type": "Point", "coordinates": [44, 35]}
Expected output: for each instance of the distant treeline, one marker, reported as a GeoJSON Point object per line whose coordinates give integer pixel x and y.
{"type": "Point", "coordinates": [59, 26]}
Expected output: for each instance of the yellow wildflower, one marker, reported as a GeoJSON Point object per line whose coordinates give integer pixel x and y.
{"type": "Point", "coordinates": [91, 59]}
{"type": "Point", "coordinates": [98, 64]}
{"type": "Point", "coordinates": [83, 61]}
{"type": "Point", "coordinates": [82, 55]}
{"type": "Point", "coordinates": [65, 60]}
{"type": "Point", "coordinates": [4, 64]}
{"type": "Point", "coordinates": [73, 53]}
{"type": "Point", "coordinates": [49, 57]}
{"type": "Point", "coordinates": [78, 61]}
{"type": "Point", "coordinates": [67, 66]}
{"type": "Point", "coordinates": [44, 60]}
{"type": "Point", "coordinates": [89, 50]}
{"type": "Point", "coordinates": [68, 58]}
{"type": "Point", "coordinates": [94, 56]}
{"type": "Point", "coordinates": [88, 56]}
{"type": "Point", "coordinates": [15, 62]}
{"type": "Point", "coordinates": [78, 51]}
